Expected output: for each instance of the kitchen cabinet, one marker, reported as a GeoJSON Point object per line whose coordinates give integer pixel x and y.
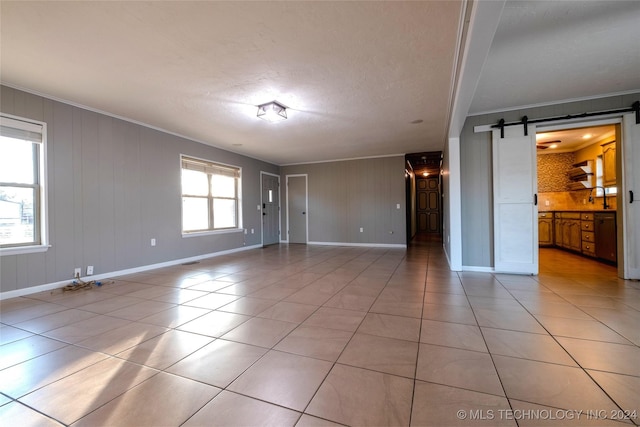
{"type": "Point", "coordinates": [545, 229]}
{"type": "Point", "coordinates": [609, 164]}
{"type": "Point", "coordinates": [592, 234]}
{"type": "Point", "coordinates": [587, 233]}
{"type": "Point", "coordinates": [568, 232]}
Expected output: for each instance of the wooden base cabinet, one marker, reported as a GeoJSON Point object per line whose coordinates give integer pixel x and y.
{"type": "Point", "coordinates": [582, 232]}
{"type": "Point", "coordinates": [545, 228]}
{"type": "Point", "coordinates": [568, 232]}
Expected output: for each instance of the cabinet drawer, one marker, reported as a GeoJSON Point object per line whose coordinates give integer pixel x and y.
{"type": "Point", "coordinates": [586, 216]}
{"type": "Point", "coordinates": [588, 236]}
{"type": "Point", "coordinates": [586, 225]}
{"type": "Point", "coordinates": [589, 248]}
{"type": "Point", "coordinates": [568, 215]}
{"type": "Point", "coordinates": [545, 215]}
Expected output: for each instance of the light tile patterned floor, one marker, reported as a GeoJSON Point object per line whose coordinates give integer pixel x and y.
{"type": "Point", "coordinates": [311, 335]}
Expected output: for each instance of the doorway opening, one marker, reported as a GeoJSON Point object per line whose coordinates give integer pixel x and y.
{"type": "Point", "coordinates": [423, 185]}
{"type": "Point", "coordinates": [578, 181]}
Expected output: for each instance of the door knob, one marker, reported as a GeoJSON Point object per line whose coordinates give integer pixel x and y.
{"type": "Point", "coordinates": [303, 213]}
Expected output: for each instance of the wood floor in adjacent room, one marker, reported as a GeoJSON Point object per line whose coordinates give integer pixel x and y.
{"type": "Point", "coordinates": [313, 335]}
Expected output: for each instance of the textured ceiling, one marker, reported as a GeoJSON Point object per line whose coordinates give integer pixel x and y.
{"type": "Point", "coordinates": [360, 78]}
{"type": "Point", "coordinates": [355, 75]}
{"type": "Point", "coordinates": [549, 51]}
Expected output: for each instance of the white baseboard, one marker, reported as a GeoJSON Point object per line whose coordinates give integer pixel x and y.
{"type": "Point", "coordinates": [362, 245]}
{"type": "Point", "coordinates": [478, 269]}
{"type": "Point", "coordinates": [102, 276]}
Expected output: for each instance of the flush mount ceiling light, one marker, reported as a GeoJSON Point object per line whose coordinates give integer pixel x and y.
{"type": "Point", "coordinates": [272, 111]}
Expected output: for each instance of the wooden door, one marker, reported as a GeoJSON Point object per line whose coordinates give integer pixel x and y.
{"type": "Point", "coordinates": [428, 205]}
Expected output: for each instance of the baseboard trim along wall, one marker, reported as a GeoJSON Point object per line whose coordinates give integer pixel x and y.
{"type": "Point", "coordinates": [102, 276]}
{"type": "Point", "coordinates": [361, 245]}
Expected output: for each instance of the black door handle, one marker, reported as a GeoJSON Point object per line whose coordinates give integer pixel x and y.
{"type": "Point", "coordinates": [264, 213]}
{"type": "Point", "coordinates": [303, 213]}
{"type": "Point", "coordinates": [630, 196]}
{"type": "Point", "coordinates": [535, 200]}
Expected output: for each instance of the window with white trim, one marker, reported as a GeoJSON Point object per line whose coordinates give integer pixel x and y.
{"type": "Point", "coordinates": [210, 196]}
{"type": "Point", "coordinates": [22, 185]}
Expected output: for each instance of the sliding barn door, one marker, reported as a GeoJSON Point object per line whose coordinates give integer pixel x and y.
{"type": "Point", "coordinates": [515, 210]}
{"type": "Point", "coordinates": [631, 196]}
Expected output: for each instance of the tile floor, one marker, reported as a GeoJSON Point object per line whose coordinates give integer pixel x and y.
{"type": "Point", "coordinates": [310, 336]}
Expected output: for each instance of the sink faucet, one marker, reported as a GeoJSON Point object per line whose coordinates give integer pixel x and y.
{"type": "Point", "coordinates": [604, 196]}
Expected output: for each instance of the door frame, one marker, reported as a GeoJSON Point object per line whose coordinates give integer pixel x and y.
{"type": "Point", "coordinates": [621, 215]}
{"type": "Point", "coordinates": [621, 212]}
{"type": "Point", "coordinates": [306, 202]}
{"type": "Point", "coordinates": [262, 173]}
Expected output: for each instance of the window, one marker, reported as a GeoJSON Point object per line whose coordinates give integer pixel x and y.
{"type": "Point", "coordinates": [600, 181]}
{"type": "Point", "coordinates": [22, 189]}
{"type": "Point", "coordinates": [210, 198]}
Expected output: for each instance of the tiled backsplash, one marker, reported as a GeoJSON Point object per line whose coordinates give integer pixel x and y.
{"type": "Point", "coordinates": [553, 182]}
{"type": "Point", "coordinates": [552, 171]}
{"type": "Point", "coordinates": [572, 201]}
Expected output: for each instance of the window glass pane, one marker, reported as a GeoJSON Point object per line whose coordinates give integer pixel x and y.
{"type": "Point", "coordinates": [195, 213]}
{"type": "Point", "coordinates": [17, 215]}
{"type": "Point", "coordinates": [224, 213]}
{"type": "Point", "coordinates": [16, 161]}
{"type": "Point", "coordinates": [194, 183]}
{"type": "Point", "coordinates": [223, 186]}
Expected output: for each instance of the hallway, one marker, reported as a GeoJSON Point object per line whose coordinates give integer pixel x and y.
{"type": "Point", "coordinates": [322, 335]}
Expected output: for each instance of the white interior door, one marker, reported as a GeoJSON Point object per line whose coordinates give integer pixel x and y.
{"type": "Point", "coordinates": [270, 209]}
{"type": "Point", "coordinates": [515, 210]}
{"type": "Point", "coordinates": [631, 196]}
{"type": "Point", "coordinates": [297, 208]}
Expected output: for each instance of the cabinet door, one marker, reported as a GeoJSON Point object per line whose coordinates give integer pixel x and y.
{"type": "Point", "coordinates": [609, 164]}
{"type": "Point", "coordinates": [545, 236]}
{"type": "Point", "coordinates": [558, 232]}
{"type": "Point", "coordinates": [575, 233]}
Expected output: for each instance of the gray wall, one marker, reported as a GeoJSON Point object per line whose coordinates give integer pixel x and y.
{"type": "Point", "coordinates": [112, 186]}
{"type": "Point", "coordinates": [346, 195]}
{"type": "Point", "coordinates": [476, 175]}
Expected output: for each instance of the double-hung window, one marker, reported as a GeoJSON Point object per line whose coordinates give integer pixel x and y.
{"type": "Point", "coordinates": [210, 196]}
{"type": "Point", "coordinates": [22, 186]}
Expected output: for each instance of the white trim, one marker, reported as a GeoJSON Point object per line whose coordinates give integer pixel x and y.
{"type": "Point", "coordinates": [361, 245]}
{"type": "Point", "coordinates": [344, 160]}
{"type": "Point", "coordinates": [21, 250]}
{"type": "Point", "coordinates": [114, 274]}
{"type": "Point", "coordinates": [239, 212]}
{"type": "Point", "coordinates": [212, 232]}
{"type": "Point", "coordinates": [556, 102]}
{"type": "Point", "coordinates": [43, 181]}
{"type": "Point", "coordinates": [454, 233]}
{"type": "Point", "coordinates": [279, 207]}
{"type": "Point", "coordinates": [478, 269]}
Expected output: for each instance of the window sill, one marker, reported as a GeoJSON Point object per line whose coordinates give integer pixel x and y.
{"type": "Point", "coordinates": [21, 250]}
{"type": "Point", "coordinates": [212, 233]}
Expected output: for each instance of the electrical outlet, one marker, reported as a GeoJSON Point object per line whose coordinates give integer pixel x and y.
{"type": "Point", "coordinates": [77, 272]}
{"type": "Point", "coordinates": [252, 231]}
{"type": "Point", "coordinates": [153, 242]}
{"type": "Point", "coordinates": [361, 230]}
{"type": "Point", "coordinates": [89, 270]}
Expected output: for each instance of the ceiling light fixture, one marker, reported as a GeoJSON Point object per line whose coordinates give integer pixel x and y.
{"type": "Point", "coordinates": [272, 111]}
{"type": "Point", "coordinates": [425, 173]}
